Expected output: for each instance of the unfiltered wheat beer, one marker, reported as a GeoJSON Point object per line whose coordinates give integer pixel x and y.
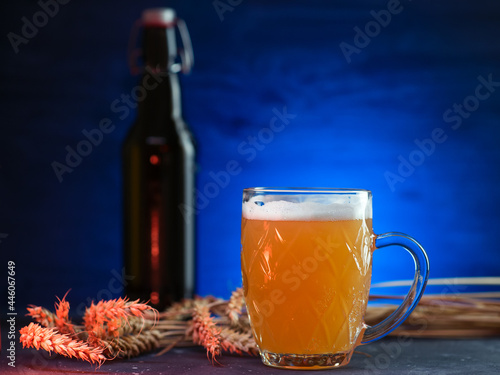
{"type": "Point", "coordinates": [306, 278]}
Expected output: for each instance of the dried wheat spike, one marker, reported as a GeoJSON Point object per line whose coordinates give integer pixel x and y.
{"type": "Point", "coordinates": [204, 330]}
{"type": "Point", "coordinates": [235, 306]}
{"type": "Point", "coordinates": [43, 316]}
{"type": "Point", "coordinates": [238, 342]}
{"type": "Point", "coordinates": [119, 327]}
{"type": "Point", "coordinates": [134, 325]}
{"type": "Point", "coordinates": [104, 312]}
{"type": "Point", "coordinates": [131, 345]}
{"type": "Point", "coordinates": [179, 310]}
{"type": "Point", "coordinates": [63, 323]}
{"type": "Point", "coordinates": [35, 336]}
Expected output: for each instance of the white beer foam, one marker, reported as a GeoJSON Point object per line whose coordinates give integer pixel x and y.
{"type": "Point", "coordinates": [331, 209]}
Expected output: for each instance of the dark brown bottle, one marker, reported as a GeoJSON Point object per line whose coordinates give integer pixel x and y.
{"type": "Point", "coordinates": [158, 175]}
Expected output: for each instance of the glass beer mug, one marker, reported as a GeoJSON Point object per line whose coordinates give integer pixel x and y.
{"type": "Point", "coordinates": [306, 261]}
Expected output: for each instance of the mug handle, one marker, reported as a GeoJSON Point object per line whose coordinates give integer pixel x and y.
{"type": "Point", "coordinates": [373, 333]}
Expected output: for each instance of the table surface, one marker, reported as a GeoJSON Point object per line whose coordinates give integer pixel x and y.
{"type": "Point", "coordinates": [391, 355]}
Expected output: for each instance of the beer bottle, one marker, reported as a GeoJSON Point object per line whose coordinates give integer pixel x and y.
{"type": "Point", "coordinates": [158, 172]}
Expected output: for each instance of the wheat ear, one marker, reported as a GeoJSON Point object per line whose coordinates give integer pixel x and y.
{"type": "Point", "coordinates": [105, 317]}
{"type": "Point", "coordinates": [238, 342]}
{"type": "Point", "coordinates": [63, 323]}
{"type": "Point", "coordinates": [235, 307]}
{"type": "Point", "coordinates": [35, 336]}
{"type": "Point", "coordinates": [204, 330]}
{"type": "Point", "coordinates": [131, 345]}
{"type": "Point", "coordinates": [179, 310]}
{"type": "Point", "coordinates": [42, 315]}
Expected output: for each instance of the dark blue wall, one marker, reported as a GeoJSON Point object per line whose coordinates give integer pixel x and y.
{"type": "Point", "coordinates": [357, 108]}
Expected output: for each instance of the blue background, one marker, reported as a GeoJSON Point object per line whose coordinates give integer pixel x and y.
{"type": "Point", "coordinates": [354, 123]}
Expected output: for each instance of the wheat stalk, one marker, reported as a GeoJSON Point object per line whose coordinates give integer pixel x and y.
{"type": "Point", "coordinates": [131, 345]}
{"type": "Point", "coordinates": [238, 342]}
{"type": "Point", "coordinates": [235, 307]}
{"type": "Point", "coordinates": [106, 317]}
{"type": "Point", "coordinates": [62, 321]}
{"type": "Point", "coordinates": [204, 330]}
{"type": "Point", "coordinates": [133, 325]}
{"type": "Point", "coordinates": [35, 336]}
{"type": "Point", "coordinates": [445, 315]}
{"type": "Point", "coordinates": [114, 328]}
{"type": "Point", "coordinates": [179, 310]}
{"type": "Point", "coordinates": [43, 316]}
{"type": "Point", "coordinates": [448, 281]}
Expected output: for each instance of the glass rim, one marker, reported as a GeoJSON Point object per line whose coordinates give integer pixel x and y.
{"type": "Point", "coordinates": [307, 190]}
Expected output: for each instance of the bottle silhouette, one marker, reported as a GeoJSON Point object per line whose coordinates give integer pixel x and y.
{"type": "Point", "coordinates": [158, 172]}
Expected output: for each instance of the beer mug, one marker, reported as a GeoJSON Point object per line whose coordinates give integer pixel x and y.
{"type": "Point", "coordinates": [306, 262]}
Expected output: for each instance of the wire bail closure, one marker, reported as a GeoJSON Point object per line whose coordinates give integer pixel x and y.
{"type": "Point", "coordinates": [185, 53]}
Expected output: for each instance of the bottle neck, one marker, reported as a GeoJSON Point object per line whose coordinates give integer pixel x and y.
{"type": "Point", "coordinates": [160, 96]}
{"type": "Point", "coordinates": [159, 47]}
